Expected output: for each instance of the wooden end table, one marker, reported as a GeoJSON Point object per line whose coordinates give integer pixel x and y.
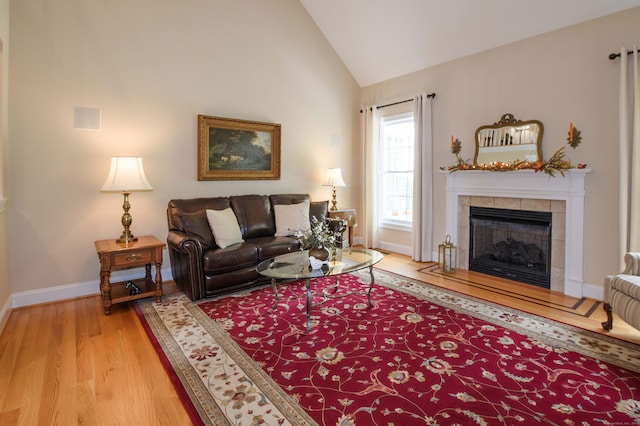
{"type": "Point", "coordinates": [113, 256]}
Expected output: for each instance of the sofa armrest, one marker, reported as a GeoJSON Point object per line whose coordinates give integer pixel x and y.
{"type": "Point", "coordinates": [185, 254]}
{"type": "Point", "coordinates": [632, 262]}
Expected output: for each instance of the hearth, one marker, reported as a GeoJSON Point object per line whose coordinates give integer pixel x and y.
{"type": "Point", "coordinates": [513, 244]}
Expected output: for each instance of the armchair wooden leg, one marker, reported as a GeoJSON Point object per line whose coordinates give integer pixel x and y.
{"type": "Point", "coordinates": [608, 324]}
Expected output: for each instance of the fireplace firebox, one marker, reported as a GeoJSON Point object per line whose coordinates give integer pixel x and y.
{"type": "Point", "coordinates": [513, 244]}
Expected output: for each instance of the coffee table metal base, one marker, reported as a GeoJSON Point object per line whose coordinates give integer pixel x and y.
{"type": "Point", "coordinates": [327, 293]}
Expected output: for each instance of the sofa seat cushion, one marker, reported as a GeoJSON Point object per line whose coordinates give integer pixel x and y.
{"type": "Point", "coordinates": [232, 258]}
{"type": "Point", "coordinates": [269, 247]}
{"type": "Point", "coordinates": [627, 284]}
{"type": "Point", "coordinates": [216, 285]}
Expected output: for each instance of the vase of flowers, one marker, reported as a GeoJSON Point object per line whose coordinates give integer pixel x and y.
{"type": "Point", "coordinates": [319, 253]}
{"type": "Point", "coordinates": [319, 240]}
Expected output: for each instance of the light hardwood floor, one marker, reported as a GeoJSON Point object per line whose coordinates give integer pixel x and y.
{"type": "Point", "coordinates": [67, 363]}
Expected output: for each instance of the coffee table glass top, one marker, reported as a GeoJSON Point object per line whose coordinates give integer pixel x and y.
{"type": "Point", "coordinates": [296, 265]}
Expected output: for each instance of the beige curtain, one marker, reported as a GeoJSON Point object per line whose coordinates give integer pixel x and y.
{"type": "Point", "coordinates": [629, 153]}
{"type": "Point", "coordinates": [423, 179]}
{"type": "Point", "coordinates": [370, 131]}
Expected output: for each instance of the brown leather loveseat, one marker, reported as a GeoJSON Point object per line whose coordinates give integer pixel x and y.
{"type": "Point", "coordinates": [201, 268]}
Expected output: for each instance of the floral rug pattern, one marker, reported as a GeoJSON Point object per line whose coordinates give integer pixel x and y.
{"type": "Point", "coordinates": [421, 355]}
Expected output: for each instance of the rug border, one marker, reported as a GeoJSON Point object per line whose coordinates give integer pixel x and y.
{"type": "Point", "coordinates": [284, 402]}
{"type": "Point", "coordinates": [188, 384]}
{"type": "Point", "coordinates": [183, 395]}
{"type": "Point", "coordinates": [572, 346]}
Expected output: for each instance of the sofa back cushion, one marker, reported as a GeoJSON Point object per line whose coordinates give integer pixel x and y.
{"type": "Point", "coordinates": [317, 209]}
{"type": "Point", "coordinates": [224, 227]}
{"type": "Point", "coordinates": [197, 225]}
{"type": "Point", "coordinates": [291, 218]}
{"type": "Point", "coordinates": [254, 214]}
{"type": "Point", "coordinates": [189, 215]}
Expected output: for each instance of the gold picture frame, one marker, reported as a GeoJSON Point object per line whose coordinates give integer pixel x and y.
{"type": "Point", "coordinates": [232, 149]}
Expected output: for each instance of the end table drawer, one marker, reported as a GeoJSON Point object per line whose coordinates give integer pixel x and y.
{"type": "Point", "coordinates": [133, 258]}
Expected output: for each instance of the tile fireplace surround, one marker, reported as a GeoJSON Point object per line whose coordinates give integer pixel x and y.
{"type": "Point", "coordinates": [525, 190]}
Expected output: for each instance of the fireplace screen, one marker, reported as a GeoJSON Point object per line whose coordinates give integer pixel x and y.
{"type": "Point", "coordinates": [513, 244]}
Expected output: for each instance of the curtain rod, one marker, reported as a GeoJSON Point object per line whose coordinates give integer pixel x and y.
{"type": "Point", "coordinates": [612, 56]}
{"type": "Point", "coordinates": [430, 95]}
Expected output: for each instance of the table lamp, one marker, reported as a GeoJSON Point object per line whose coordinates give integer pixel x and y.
{"type": "Point", "coordinates": [126, 175]}
{"type": "Point", "coordinates": [333, 179]}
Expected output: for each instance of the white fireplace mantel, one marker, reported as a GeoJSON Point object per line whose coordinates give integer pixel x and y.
{"type": "Point", "coordinates": [529, 184]}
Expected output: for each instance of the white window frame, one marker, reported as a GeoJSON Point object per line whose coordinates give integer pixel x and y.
{"type": "Point", "coordinates": [382, 222]}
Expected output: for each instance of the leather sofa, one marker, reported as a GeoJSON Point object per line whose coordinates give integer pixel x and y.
{"type": "Point", "coordinates": [202, 269]}
{"type": "Point", "coordinates": [622, 293]}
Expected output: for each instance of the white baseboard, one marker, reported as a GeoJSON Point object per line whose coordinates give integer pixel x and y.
{"type": "Point", "coordinates": [396, 248]}
{"type": "Point", "coordinates": [5, 311]}
{"type": "Point", "coordinates": [55, 294]}
{"type": "Point", "coordinates": [593, 291]}
{"type": "Point", "coordinates": [70, 291]}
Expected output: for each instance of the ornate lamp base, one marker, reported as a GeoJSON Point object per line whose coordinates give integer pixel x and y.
{"type": "Point", "coordinates": [334, 200]}
{"type": "Point", "coordinates": [127, 236]}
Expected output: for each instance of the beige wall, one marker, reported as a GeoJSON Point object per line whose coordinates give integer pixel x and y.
{"type": "Point", "coordinates": [557, 78]}
{"type": "Point", "coordinates": [152, 66]}
{"type": "Point", "coordinates": [5, 284]}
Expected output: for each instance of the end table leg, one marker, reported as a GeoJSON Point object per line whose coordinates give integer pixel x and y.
{"type": "Point", "coordinates": [105, 291]}
{"type": "Point", "coordinates": [158, 281]}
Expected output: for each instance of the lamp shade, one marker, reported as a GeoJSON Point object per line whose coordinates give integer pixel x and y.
{"type": "Point", "coordinates": [126, 175]}
{"type": "Point", "coordinates": [334, 178]}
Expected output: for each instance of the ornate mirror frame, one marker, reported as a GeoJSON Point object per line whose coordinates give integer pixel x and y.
{"type": "Point", "coordinates": [509, 141]}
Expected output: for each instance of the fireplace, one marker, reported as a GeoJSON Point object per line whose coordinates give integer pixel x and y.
{"type": "Point", "coordinates": [513, 244]}
{"type": "Point", "coordinates": [563, 196]}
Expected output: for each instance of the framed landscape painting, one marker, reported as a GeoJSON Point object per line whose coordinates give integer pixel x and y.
{"type": "Point", "coordinates": [231, 149]}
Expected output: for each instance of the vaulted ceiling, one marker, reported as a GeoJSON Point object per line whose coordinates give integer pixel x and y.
{"type": "Point", "coordinates": [381, 39]}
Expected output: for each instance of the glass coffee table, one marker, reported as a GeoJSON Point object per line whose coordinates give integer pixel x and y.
{"type": "Point", "coordinates": [295, 266]}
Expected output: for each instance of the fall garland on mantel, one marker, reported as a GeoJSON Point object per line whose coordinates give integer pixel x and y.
{"type": "Point", "coordinates": [550, 166]}
{"type": "Point", "coordinates": [556, 163]}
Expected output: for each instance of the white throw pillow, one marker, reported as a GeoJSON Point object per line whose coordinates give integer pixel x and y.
{"type": "Point", "coordinates": [224, 226]}
{"type": "Point", "coordinates": [291, 218]}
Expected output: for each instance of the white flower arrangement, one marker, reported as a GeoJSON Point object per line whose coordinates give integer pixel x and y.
{"type": "Point", "coordinates": [318, 236]}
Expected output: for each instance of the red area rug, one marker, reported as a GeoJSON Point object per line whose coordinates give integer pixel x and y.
{"type": "Point", "coordinates": [405, 361]}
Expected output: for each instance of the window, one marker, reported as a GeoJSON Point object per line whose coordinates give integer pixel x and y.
{"type": "Point", "coordinates": [396, 171]}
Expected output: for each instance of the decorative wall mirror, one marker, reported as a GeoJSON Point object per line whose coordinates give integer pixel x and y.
{"type": "Point", "coordinates": [509, 141]}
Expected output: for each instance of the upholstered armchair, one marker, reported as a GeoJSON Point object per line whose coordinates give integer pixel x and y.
{"type": "Point", "coordinates": [622, 293]}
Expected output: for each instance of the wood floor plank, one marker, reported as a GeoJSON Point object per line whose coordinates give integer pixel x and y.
{"type": "Point", "coordinates": [67, 363]}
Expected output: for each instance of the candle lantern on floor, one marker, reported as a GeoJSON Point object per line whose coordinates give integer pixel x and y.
{"type": "Point", "coordinates": [447, 256]}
